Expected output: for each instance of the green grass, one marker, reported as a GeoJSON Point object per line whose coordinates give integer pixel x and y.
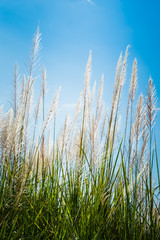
{"type": "Point", "coordinates": [93, 181]}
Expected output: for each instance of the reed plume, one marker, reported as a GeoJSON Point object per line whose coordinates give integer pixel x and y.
{"type": "Point", "coordinates": [89, 179]}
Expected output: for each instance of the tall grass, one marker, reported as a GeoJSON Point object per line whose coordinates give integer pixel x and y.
{"type": "Point", "coordinates": [92, 181]}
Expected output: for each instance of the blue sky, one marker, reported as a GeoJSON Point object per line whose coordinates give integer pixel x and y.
{"type": "Point", "coordinates": [70, 29]}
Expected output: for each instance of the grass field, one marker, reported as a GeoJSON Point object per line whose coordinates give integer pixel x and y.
{"type": "Point", "coordinates": [92, 181]}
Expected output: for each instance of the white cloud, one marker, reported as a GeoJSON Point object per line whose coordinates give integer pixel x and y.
{"type": "Point", "coordinates": [87, 2]}
{"type": "Point", "coordinates": [90, 1]}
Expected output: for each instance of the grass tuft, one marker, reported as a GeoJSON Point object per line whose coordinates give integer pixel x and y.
{"type": "Point", "coordinates": [92, 181]}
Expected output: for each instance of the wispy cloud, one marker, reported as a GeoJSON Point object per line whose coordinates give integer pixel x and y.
{"type": "Point", "coordinates": [90, 1]}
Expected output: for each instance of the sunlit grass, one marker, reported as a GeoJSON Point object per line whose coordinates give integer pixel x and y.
{"type": "Point", "coordinates": [93, 181]}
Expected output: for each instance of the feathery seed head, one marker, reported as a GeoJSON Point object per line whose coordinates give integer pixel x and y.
{"type": "Point", "coordinates": [87, 77]}
{"type": "Point", "coordinates": [100, 93]}
{"type": "Point", "coordinates": [44, 81]}
{"type": "Point", "coordinates": [151, 101]}
{"type": "Point", "coordinates": [133, 85]}
{"type": "Point", "coordinates": [123, 71]}
{"type": "Point", "coordinates": [139, 117]}
{"type": "Point", "coordinates": [52, 109]}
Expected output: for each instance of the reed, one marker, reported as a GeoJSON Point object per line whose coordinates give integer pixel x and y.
{"type": "Point", "coordinates": [92, 181]}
